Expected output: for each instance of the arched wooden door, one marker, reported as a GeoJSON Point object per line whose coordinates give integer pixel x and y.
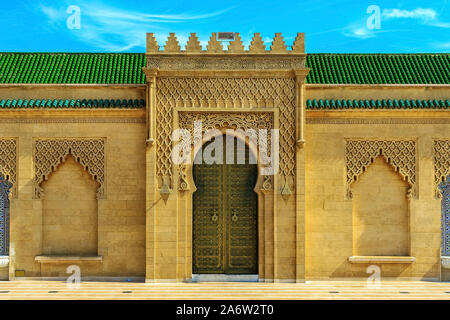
{"type": "Point", "coordinates": [225, 235]}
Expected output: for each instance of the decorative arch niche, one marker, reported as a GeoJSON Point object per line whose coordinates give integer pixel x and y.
{"type": "Point", "coordinates": [8, 163]}
{"type": "Point", "coordinates": [441, 160]}
{"type": "Point", "coordinates": [400, 154]}
{"type": "Point", "coordinates": [49, 153]}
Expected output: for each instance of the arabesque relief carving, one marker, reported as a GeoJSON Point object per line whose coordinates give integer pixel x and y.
{"type": "Point", "coordinates": [400, 154]}
{"type": "Point", "coordinates": [441, 159]}
{"type": "Point", "coordinates": [232, 94]}
{"type": "Point", "coordinates": [229, 120]}
{"type": "Point", "coordinates": [49, 153]}
{"type": "Point", "coordinates": [8, 162]}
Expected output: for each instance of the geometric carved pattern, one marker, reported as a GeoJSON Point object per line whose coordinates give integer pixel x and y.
{"type": "Point", "coordinates": [5, 186]}
{"type": "Point", "coordinates": [231, 120]}
{"type": "Point", "coordinates": [441, 159]}
{"type": "Point", "coordinates": [400, 154]}
{"type": "Point", "coordinates": [445, 218]}
{"type": "Point", "coordinates": [8, 162]}
{"type": "Point", "coordinates": [231, 93]}
{"type": "Point", "coordinates": [49, 153]}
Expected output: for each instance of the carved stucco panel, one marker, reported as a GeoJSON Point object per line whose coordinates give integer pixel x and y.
{"type": "Point", "coordinates": [441, 159]}
{"type": "Point", "coordinates": [231, 120]}
{"type": "Point", "coordinates": [8, 162]}
{"type": "Point", "coordinates": [400, 154]}
{"type": "Point", "coordinates": [49, 153]}
{"type": "Point", "coordinates": [232, 94]}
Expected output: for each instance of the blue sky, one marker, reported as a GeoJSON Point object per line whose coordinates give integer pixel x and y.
{"type": "Point", "coordinates": [329, 25]}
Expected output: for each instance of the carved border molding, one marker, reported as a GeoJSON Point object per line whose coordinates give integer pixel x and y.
{"type": "Point", "coordinates": [72, 120]}
{"type": "Point", "coordinates": [233, 95]}
{"type": "Point", "coordinates": [229, 120]}
{"type": "Point", "coordinates": [49, 153]}
{"type": "Point", "coordinates": [8, 162]}
{"type": "Point", "coordinates": [441, 161]}
{"type": "Point", "coordinates": [377, 120]}
{"type": "Point", "coordinates": [400, 154]}
{"type": "Point", "coordinates": [232, 62]}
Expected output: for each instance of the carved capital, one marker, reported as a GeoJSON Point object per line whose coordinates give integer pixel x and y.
{"type": "Point", "coordinates": [150, 75]}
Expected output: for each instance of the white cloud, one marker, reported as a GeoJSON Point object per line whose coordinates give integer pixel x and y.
{"type": "Point", "coordinates": [358, 32]}
{"type": "Point", "coordinates": [428, 16]}
{"type": "Point", "coordinates": [419, 13]}
{"type": "Point", "coordinates": [116, 29]}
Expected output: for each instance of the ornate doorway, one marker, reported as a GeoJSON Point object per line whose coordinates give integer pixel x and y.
{"type": "Point", "coordinates": [225, 210]}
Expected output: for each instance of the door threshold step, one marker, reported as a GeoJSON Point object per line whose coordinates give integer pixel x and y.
{"type": "Point", "coordinates": [225, 278]}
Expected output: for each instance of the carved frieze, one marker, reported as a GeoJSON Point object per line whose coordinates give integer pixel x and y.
{"type": "Point", "coordinates": [232, 94]}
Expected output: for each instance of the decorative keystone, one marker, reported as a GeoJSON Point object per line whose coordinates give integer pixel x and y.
{"type": "Point", "coordinates": [172, 44]}
{"type": "Point", "coordinates": [165, 191]}
{"type": "Point", "coordinates": [286, 191]}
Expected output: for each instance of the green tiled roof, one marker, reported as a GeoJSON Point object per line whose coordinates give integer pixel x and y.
{"type": "Point", "coordinates": [75, 104]}
{"type": "Point", "coordinates": [376, 104]}
{"type": "Point", "coordinates": [107, 68]}
{"type": "Point", "coordinates": [379, 68]}
{"type": "Point", "coordinates": [126, 68]}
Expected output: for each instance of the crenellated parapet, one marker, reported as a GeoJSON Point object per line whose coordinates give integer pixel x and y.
{"type": "Point", "coordinates": [215, 46]}
{"type": "Point", "coordinates": [276, 56]}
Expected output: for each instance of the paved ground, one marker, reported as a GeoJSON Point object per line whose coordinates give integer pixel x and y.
{"type": "Point", "coordinates": [35, 289]}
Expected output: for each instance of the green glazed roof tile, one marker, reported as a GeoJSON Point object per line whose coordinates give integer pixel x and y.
{"type": "Point", "coordinates": [82, 68]}
{"type": "Point", "coordinates": [71, 104]}
{"type": "Point", "coordinates": [126, 68]}
{"type": "Point", "coordinates": [378, 68]}
{"type": "Point", "coordinates": [332, 104]}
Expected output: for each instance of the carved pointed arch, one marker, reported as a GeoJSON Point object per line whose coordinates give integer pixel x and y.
{"type": "Point", "coordinates": [49, 153]}
{"type": "Point", "coordinates": [8, 162]}
{"type": "Point", "coordinates": [228, 120]}
{"type": "Point", "coordinates": [400, 154]}
{"type": "Point", "coordinates": [441, 159]}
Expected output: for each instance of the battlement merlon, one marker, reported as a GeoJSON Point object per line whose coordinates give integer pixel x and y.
{"type": "Point", "coordinates": [236, 46]}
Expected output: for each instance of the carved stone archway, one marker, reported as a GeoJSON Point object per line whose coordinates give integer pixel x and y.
{"type": "Point", "coordinates": [222, 121]}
